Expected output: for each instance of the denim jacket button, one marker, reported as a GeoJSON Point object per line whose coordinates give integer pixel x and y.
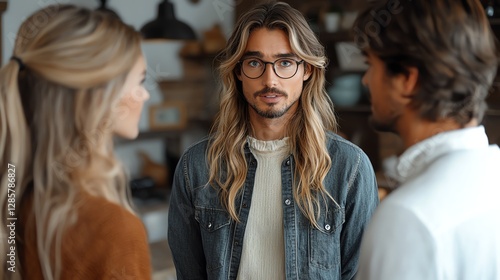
{"type": "Point", "coordinates": [288, 163]}
{"type": "Point", "coordinates": [209, 225]}
{"type": "Point", "coordinates": [327, 227]}
{"type": "Point", "coordinates": [244, 205]}
{"type": "Point", "coordinates": [288, 202]}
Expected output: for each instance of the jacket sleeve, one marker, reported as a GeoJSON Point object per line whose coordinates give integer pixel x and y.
{"type": "Point", "coordinates": [184, 236]}
{"type": "Point", "coordinates": [361, 201]}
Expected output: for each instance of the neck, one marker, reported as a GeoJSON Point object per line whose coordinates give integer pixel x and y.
{"type": "Point", "coordinates": [415, 129]}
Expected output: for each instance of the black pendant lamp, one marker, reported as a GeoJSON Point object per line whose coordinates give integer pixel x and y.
{"type": "Point", "coordinates": [105, 9]}
{"type": "Point", "coordinates": [166, 26]}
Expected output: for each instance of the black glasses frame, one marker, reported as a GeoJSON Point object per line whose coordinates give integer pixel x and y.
{"type": "Point", "coordinates": [299, 62]}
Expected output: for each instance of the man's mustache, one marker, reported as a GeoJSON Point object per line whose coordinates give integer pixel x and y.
{"type": "Point", "coordinates": [269, 90]}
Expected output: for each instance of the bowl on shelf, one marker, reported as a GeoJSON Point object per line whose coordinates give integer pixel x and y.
{"type": "Point", "coordinates": [346, 90]}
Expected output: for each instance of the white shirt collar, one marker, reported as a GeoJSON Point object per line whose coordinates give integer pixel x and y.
{"type": "Point", "coordinates": [420, 155]}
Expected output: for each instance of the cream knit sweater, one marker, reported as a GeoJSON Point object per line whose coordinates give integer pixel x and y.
{"type": "Point", "coordinates": [263, 255]}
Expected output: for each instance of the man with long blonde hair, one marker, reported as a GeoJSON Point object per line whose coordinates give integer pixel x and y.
{"type": "Point", "coordinates": [272, 193]}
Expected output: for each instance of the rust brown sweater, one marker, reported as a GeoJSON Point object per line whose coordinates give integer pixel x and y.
{"type": "Point", "coordinates": [106, 242]}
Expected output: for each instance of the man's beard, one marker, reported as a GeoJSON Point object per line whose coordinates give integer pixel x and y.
{"type": "Point", "coordinates": [271, 113]}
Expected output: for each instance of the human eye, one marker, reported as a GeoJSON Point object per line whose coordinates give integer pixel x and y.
{"type": "Point", "coordinates": [254, 63]}
{"type": "Point", "coordinates": [284, 63]}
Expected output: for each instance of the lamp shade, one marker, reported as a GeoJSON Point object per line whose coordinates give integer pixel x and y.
{"type": "Point", "coordinates": [167, 26]}
{"type": "Point", "coordinates": [105, 9]}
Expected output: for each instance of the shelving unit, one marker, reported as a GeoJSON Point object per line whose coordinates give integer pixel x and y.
{"type": "Point", "coordinates": [198, 89]}
{"type": "Point", "coordinates": [168, 133]}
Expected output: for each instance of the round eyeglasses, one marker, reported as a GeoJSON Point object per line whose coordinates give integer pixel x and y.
{"type": "Point", "coordinates": [284, 68]}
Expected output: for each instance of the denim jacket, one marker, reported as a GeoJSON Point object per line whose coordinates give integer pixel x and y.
{"type": "Point", "coordinates": [207, 244]}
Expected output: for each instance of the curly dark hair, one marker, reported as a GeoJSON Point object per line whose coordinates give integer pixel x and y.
{"type": "Point", "coordinates": [451, 44]}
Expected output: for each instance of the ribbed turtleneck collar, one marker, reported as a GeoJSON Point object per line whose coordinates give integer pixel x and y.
{"type": "Point", "coordinates": [268, 146]}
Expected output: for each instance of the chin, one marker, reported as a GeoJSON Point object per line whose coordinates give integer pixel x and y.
{"type": "Point", "coordinates": [127, 134]}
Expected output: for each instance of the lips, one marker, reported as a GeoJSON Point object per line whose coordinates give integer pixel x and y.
{"type": "Point", "coordinates": [270, 98]}
{"type": "Point", "coordinates": [269, 95]}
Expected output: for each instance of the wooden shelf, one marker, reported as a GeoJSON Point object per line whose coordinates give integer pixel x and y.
{"type": "Point", "coordinates": [365, 109]}
{"type": "Point", "coordinates": [182, 82]}
{"type": "Point", "coordinates": [494, 21]}
{"type": "Point", "coordinates": [335, 37]}
{"type": "Point", "coordinates": [165, 134]}
{"type": "Point", "coordinates": [493, 112]}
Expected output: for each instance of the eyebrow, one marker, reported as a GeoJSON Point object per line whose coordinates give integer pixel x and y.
{"type": "Point", "coordinates": [252, 54]}
{"type": "Point", "coordinates": [286, 55]}
{"type": "Point", "coordinates": [260, 55]}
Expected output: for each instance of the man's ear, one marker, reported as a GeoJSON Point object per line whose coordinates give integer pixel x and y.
{"type": "Point", "coordinates": [307, 71]}
{"type": "Point", "coordinates": [407, 83]}
{"type": "Point", "coordinates": [237, 72]}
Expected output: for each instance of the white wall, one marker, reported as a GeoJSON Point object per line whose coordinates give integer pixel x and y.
{"type": "Point", "coordinates": [162, 57]}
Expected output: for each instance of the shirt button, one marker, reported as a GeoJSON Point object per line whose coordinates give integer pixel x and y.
{"type": "Point", "coordinates": [209, 225]}
{"type": "Point", "coordinates": [327, 227]}
{"type": "Point", "coordinates": [288, 202]}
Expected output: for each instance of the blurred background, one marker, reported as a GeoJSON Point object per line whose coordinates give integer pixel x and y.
{"type": "Point", "coordinates": [182, 39]}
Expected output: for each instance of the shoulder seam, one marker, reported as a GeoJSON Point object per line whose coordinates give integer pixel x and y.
{"type": "Point", "coordinates": [354, 173]}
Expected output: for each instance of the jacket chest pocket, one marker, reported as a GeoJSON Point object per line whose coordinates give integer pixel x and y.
{"type": "Point", "coordinates": [324, 243]}
{"type": "Point", "coordinates": [214, 224]}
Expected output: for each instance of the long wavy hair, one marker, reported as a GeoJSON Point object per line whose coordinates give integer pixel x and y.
{"type": "Point", "coordinates": [56, 118]}
{"type": "Point", "coordinates": [307, 128]}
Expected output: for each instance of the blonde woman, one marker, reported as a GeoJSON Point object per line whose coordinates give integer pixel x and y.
{"type": "Point", "coordinates": [74, 80]}
{"type": "Point", "coordinates": [273, 193]}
